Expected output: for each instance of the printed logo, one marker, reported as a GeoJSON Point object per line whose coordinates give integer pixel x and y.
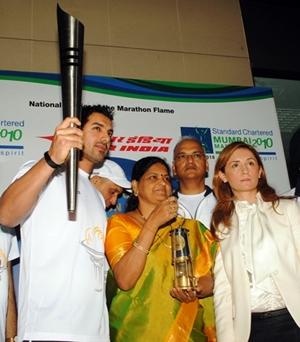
{"type": "Point", "coordinates": [215, 139]}
{"type": "Point", "coordinates": [11, 138]}
{"type": "Point", "coordinates": [93, 243]}
{"type": "Point", "coordinates": [203, 134]}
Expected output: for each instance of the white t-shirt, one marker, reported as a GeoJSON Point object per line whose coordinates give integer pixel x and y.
{"type": "Point", "coordinates": [8, 251]}
{"type": "Point", "coordinates": [191, 201]}
{"type": "Point", "coordinates": [198, 207]}
{"type": "Point", "coordinates": [63, 268]}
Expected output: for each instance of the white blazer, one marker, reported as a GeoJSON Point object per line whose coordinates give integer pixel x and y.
{"type": "Point", "coordinates": [231, 290]}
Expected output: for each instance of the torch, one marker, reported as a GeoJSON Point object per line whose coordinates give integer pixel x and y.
{"type": "Point", "coordinates": [71, 32]}
{"type": "Point", "coordinates": [181, 259]}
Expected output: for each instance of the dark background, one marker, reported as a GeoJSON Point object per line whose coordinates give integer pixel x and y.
{"type": "Point", "coordinates": [272, 29]}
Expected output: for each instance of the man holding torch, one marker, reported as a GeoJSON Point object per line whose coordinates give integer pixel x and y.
{"type": "Point", "coordinates": [63, 267]}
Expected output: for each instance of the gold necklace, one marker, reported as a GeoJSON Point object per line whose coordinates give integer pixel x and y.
{"type": "Point", "coordinates": [140, 213]}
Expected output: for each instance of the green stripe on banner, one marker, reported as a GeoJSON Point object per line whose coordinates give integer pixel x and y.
{"type": "Point", "coordinates": [29, 79]}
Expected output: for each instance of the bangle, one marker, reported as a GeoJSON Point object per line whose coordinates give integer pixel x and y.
{"type": "Point", "coordinates": [140, 248]}
{"type": "Point", "coordinates": [10, 339]}
{"type": "Point", "coordinates": [50, 162]}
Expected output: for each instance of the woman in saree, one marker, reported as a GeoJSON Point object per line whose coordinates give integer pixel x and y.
{"type": "Point", "coordinates": [147, 307]}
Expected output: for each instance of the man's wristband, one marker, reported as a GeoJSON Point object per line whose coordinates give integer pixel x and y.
{"type": "Point", "coordinates": [50, 162]}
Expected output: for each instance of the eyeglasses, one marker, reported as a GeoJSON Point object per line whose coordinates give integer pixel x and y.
{"type": "Point", "coordinates": [184, 156]}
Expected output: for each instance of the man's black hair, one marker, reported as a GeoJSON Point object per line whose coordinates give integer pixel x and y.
{"type": "Point", "coordinates": [87, 110]}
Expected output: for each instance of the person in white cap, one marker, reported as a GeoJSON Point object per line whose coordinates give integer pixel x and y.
{"type": "Point", "coordinates": [110, 180]}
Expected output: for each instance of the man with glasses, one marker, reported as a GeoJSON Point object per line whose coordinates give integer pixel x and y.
{"type": "Point", "coordinates": [196, 200]}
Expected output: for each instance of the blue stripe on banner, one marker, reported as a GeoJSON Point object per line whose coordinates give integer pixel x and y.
{"type": "Point", "coordinates": [157, 89]}
{"type": "Point", "coordinates": [12, 147]}
{"type": "Point", "coordinates": [173, 90]}
{"type": "Point", "coordinates": [267, 153]}
{"type": "Point", "coordinates": [27, 74]}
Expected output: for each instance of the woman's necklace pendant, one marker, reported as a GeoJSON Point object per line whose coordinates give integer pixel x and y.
{"type": "Point", "coordinates": [140, 213]}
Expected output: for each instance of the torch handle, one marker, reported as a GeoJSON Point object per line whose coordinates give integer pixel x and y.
{"type": "Point", "coordinates": [71, 33]}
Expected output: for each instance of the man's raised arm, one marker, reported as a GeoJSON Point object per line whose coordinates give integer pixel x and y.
{"type": "Point", "coordinates": [20, 197]}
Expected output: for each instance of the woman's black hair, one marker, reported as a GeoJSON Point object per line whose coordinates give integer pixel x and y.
{"type": "Point", "coordinates": [139, 169]}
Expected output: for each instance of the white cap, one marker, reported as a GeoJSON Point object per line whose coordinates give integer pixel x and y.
{"type": "Point", "coordinates": [113, 172]}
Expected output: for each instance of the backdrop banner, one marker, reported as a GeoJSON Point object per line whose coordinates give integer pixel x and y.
{"type": "Point", "coordinates": [150, 118]}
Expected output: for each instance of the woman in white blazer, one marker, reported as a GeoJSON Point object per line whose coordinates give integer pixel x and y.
{"type": "Point", "coordinates": [257, 270]}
